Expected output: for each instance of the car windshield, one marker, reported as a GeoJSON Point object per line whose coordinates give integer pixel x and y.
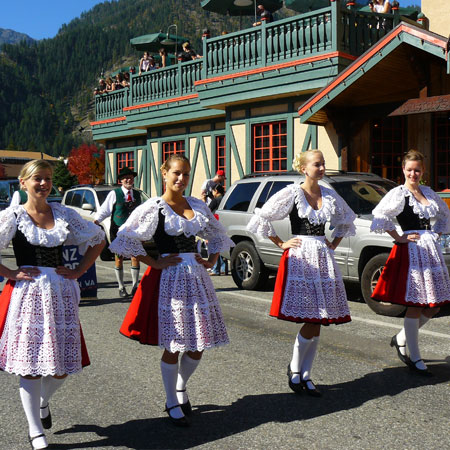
{"type": "Point", "coordinates": [363, 196]}
{"type": "Point", "coordinates": [101, 195]}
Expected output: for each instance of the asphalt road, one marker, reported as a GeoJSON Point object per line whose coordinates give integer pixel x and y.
{"type": "Point", "coordinates": [239, 393]}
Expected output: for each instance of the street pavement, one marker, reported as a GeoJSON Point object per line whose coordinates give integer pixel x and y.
{"type": "Point", "coordinates": [239, 393]}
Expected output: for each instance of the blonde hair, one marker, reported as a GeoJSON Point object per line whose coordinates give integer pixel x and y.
{"type": "Point", "coordinates": [31, 167]}
{"type": "Point", "coordinates": [174, 157]}
{"type": "Point", "coordinates": [301, 159]}
{"type": "Point", "coordinates": [413, 155]}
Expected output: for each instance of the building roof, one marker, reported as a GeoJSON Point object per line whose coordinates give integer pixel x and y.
{"type": "Point", "coordinates": [23, 155]}
{"type": "Point", "coordinates": [393, 69]}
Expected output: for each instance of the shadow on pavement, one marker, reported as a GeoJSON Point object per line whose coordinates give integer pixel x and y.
{"type": "Point", "coordinates": [213, 422]}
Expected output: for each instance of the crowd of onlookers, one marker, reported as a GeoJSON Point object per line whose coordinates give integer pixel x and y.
{"type": "Point", "coordinates": [109, 84]}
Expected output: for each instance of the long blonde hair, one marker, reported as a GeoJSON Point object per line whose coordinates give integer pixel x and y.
{"type": "Point", "coordinates": [301, 159]}
{"type": "Point", "coordinates": [32, 167]}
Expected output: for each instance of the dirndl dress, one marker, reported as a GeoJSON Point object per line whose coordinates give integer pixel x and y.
{"type": "Point", "coordinates": [415, 273]}
{"type": "Point", "coordinates": [175, 308]}
{"type": "Point", "coordinates": [309, 286]}
{"type": "Point", "coordinates": [40, 331]}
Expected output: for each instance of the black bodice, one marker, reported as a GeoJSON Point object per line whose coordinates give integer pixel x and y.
{"type": "Point", "coordinates": [302, 226]}
{"type": "Point", "coordinates": [172, 244]}
{"type": "Point", "coordinates": [33, 255]}
{"type": "Point", "coordinates": [408, 220]}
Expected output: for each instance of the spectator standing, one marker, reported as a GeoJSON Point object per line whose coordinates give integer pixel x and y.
{"type": "Point", "coordinates": [189, 52]}
{"type": "Point", "coordinates": [144, 63]}
{"type": "Point", "coordinates": [41, 339]}
{"type": "Point", "coordinates": [163, 55]}
{"type": "Point", "coordinates": [119, 204]}
{"type": "Point", "coordinates": [218, 193]}
{"type": "Point", "coordinates": [208, 185]}
{"type": "Point", "coordinates": [266, 15]}
{"type": "Point", "coordinates": [381, 6]}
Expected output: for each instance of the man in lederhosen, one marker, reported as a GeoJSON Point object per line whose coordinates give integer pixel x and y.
{"type": "Point", "coordinates": [119, 204]}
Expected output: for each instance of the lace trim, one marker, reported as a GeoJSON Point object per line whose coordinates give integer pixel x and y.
{"type": "Point", "coordinates": [423, 211]}
{"type": "Point", "coordinates": [314, 216]}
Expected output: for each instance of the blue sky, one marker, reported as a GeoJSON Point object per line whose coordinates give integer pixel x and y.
{"type": "Point", "coordinates": [42, 19]}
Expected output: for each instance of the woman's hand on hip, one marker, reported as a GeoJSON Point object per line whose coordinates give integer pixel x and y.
{"type": "Point", "coordinates": [291, 243]}
{"type": "Point", "coordinates": [407, 238]}
{"type": "Point", "coordinates": [24, 274]}
{"type": "Point", "coordinates": [69, 274]}
{"type": "Point", "coordinates": [205, 262]}
{"type": "Point", "coordinates": [166, 261]}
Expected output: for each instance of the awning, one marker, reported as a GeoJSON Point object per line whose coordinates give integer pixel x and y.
{"type": "Point", "coordinates": [304, 6]}
{"type": "Point", "coordinates": [391, 71]}
{"type": "Point", "coordinates": [153, 42]}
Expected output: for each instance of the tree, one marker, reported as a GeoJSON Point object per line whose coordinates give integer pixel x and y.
{"type": "Point", "coordinates": [62, 177]}
{"type": "Point", "coordinates": [87, 163]}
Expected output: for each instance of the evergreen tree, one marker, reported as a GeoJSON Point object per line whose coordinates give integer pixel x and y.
{"type": "Point", "coordinates": [62, 177]}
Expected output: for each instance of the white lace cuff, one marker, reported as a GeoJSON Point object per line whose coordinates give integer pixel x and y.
{"type": "Point", "coordinates": [381, 224]}
{"type": "Point", "coordinates": [344, 230]}
{"type": "Point", "coordinates": [221, 243]}
{"type": "Point", "coordinates": [126, 246]}
{"type": "Point", "coordinates": [260, 226]}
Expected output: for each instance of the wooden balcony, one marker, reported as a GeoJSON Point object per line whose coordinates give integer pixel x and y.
{"type": "Point", "coordinates": [331, 37]}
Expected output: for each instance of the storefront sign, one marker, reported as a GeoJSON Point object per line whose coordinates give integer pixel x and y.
{"type": "Point", "coordinates": [423, 105]}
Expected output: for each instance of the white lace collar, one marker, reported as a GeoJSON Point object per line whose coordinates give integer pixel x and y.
{"type": "Point", "coordinates": [175, 224]}
{"type": "Point", "coordinates": [40, 236]}
{"type": "Point", "coordinates": [315, 216]}
{"type": "Point", "coordinates": [423, 211]}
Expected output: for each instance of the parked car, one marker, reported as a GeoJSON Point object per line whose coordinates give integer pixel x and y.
{"type": "Point", "coordinates": [8, 187]}
{"type": "Point", "coordinates": [360, 258]}
{"type": "Point", "coordinates": [86, 200]}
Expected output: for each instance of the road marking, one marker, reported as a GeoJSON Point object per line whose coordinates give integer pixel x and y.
{"type": "Point", "coordinates": [355, 318]}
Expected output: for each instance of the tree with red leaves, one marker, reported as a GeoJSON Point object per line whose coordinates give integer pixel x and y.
{"type": "Point", "coordinates": [87, 163]}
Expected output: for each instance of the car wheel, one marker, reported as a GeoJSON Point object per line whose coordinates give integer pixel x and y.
{"type": "Point", "coordinates": [369, 277]}
{"type": "Point", "coordinates": [247, 269]}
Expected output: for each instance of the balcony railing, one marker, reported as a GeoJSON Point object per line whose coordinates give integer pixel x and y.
{"type": "Point", "coordinates": [325, 30]}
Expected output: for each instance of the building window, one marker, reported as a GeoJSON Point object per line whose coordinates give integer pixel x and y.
{"type": "Point", "coordinates": [388, 142]}
{"type": "Point", "coordinates": [172, 147]}
{"type": "Point", "coordinates": [269, 147]}
{"type": "Point", "coordinates": [125, 159]}
{"type": "Point", "coordinates": [442, 150]}
{"type": "Point", "coordinates": [220, 154]}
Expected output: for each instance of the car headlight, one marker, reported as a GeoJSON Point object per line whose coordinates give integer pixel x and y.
{"type": "Point", "coordinates": [444, 240]}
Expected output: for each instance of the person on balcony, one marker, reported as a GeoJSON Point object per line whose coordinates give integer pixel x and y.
{"type": "Point", "coordinates": [164, 59]}
{"type": "Point", "coordinates": [266, 15]}
{"type": "Point", "coordinates": [144, 63]}
{"type": "Point", "coordinates": [381, 6]}
{"type": "Point", "coordinates": [309, 287]}
{"type": "Point", "coordinates": [189, 52]}
{"type": "Point", "coordinates": [109, 84]}
{"type": "Point", "coordinates": [119, 204]}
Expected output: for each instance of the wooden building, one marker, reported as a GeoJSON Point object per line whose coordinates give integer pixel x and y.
{"type": "Point", "coordinates": [13, 160]}
{"type": "Point", "coordinates": [326, 79]}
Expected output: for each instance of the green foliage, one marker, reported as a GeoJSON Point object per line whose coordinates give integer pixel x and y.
{"type": "Point", "coordinates": [41, 83]}
{"type": "Point", "coordinates": [62, 177]}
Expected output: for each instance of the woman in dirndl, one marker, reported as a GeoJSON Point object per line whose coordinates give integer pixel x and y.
{"type": "Point", "coordinates": [40, 334]}
{"type": "Point", "coordinates": [415, 274]}
{"type": "Point", "coordinates": [309, 287]}
{"type": "Point", "coordinates": [175, 306]}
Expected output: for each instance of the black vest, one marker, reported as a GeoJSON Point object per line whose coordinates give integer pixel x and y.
{"type": "Point", "coordinates": [302, 226]}
{"type": "Point", "coordinates": [410, 221]}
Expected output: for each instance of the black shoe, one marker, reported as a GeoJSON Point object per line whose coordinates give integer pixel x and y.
{"type": "Point", "coordinates": [31, 439]}
{"type": "Point", "coordinates": [403, 358]}
{"type": "Point", "coordinates": [123, 293]}
{"type": "Point", "coordinates": [181, 422]}
{"type": "Point", "coordinates": [424, 372]}
{"type": "Point", "coordinates": [133, 291]}
{"type": "Point", "coordinates": [47, 421]}
{"type": "Point", "coordinates": [296, 387]}
{"type": "Point", "coordinates": [185, 407]}
{"type": "Point", "coordinates": [313, 392]}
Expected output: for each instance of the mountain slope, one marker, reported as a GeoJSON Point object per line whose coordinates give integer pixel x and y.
{"type": "Point", "coordinates": [13, 37]}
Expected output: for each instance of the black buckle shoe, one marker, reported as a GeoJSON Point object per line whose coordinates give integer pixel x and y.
{"type": "Point", "coordinates": [424, 372]}
{"type": "Point", "coordinates": [313, 392]}
{"type": "Point", "coordinates": [296, 387]}
{"type": "Point", "coordinates": [31, 439]}
{"type": "Point", "coordinates": [185, 407]}
{"type": "Point", "coordinates": [180, 422]}
{"type": "Point", "coordinates": [133, 291]}
{"type": "Point", "coordinates": [123, 293]}
{"type": "Point", "coordinates": [47, 421]}
{"type": "Point", "coordinates": [403, 358]}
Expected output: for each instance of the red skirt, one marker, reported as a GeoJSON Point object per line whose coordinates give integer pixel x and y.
{"type": "Point", "coordinates": [5, 299]}
{"type": "Point", "coordinates": [410, 282]}
{"type": "Point", "coordinates": [278, 295]}
{"type": "Point", "coordinates": [141, 320]}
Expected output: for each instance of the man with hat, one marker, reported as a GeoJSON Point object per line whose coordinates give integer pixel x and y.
{"type": "Point", "coordinates": [208, 186]}
{"type": "Point", "coordinates": [119, 204]}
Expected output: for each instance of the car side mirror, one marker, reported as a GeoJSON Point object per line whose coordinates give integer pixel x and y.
{"type": "Point", "coordinates": [88, 207]}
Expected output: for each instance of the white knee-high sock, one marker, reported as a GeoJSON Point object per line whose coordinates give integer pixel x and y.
{"type": "Point", "coordinates": [30, 392]}
{"type": "Point", "coordinates": [301, 346]}
{"type": "Point", "coordinates": [187, 368]}
{"type": "Point", "coordinates": [401, 336]}
{"type": "Point", "coordinates": [309, 358]}
{"type": "Point", "coordinates": [412, 340]}
{"type": "Point", "coordinates": [49, 385]}
{"type": "Point", "coordinates": [135, 275]}
{"type": "Point", "coordinates": [119, 276]}
{"type": "Point", "coordinates": [169, 374]}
